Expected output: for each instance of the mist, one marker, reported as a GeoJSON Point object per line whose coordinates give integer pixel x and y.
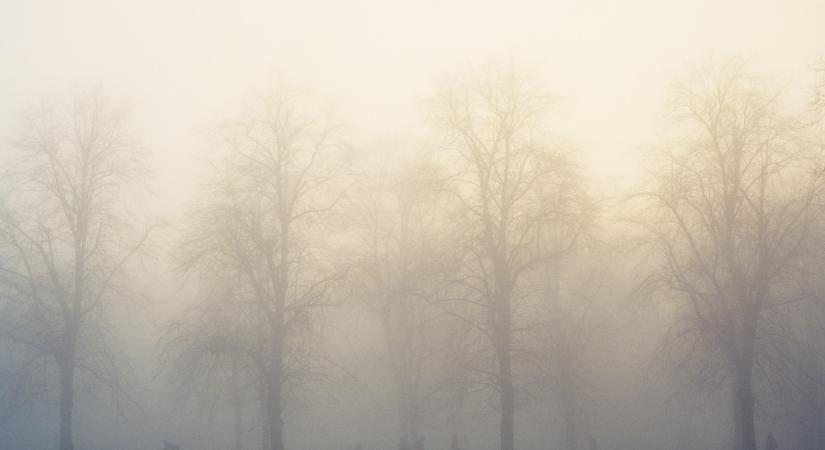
{"type": "Point", "coordinates": [373, 225]}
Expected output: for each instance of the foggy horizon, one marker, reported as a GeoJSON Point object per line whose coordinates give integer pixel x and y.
{"type": "Point", "coordinates": [381, 225]}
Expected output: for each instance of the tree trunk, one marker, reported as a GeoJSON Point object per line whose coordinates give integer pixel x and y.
{"type": "Point", "coordinates": [417, 439]}
{"type": "Point", "coordinates": [275, 397]}
{"type": "Point", "coordinates": [743, 390]}
{"type": "Point", "coordinates": [405, 439]}
{"type": "Point", "coordinates": [811, 412]}
{"type": "Point", "coordinates": [744, 400]}
{"type": "Point", "coordinates": [274, 414]}
{"type": "Point", "coordinates": [505, 378]}
{"type": "Point", "coordinates": [569, 403]}
{"type": "Point", "coordinates": [402, 385]}
{"type": "Point", "coordinates": [237, 403]}
{"type": "Point", "coordinates": [743, 385]}
{"type": "Point", "coordinates": [409, 438]}
{"type": "Point", "coordinates": [507, 403]}
{"type": "Point", "coordinates": [266, 420]}
{"type": "Point", "coordinates": [280, 284]}
{"type": "Point", "coordinates": [66, 403]}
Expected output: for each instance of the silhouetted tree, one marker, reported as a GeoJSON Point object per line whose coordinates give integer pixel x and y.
{"type": "Point", "coordinates": [732, 209]}
{"type": "Point", "coordinates": [214, 350]}
{"type": "Point", "coordinates": [66, 236]}
{"type": "Point", "coordinates": [563, 291]}
{"type": "Point", "coordinates": [491, 125]}
{"type": "Point", "coordinates": [259, 230]}
{"type": "Point", "coordinates": [399, 257]}
{"type": "Point", "coordinates": [565, 325]}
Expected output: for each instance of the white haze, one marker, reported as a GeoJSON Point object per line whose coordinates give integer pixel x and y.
{"type": "Point", "coordinates": [183, 65]}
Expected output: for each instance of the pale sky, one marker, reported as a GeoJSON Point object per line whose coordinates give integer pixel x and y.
{"type": "Point", "coordinates": [181, 64]}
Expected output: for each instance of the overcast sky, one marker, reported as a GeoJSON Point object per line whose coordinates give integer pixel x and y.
{"type": "Point", "coordinates": [181, 64]}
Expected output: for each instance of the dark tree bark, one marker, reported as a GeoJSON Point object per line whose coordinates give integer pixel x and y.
{"type": "Point", "coordinates": [66, 403]}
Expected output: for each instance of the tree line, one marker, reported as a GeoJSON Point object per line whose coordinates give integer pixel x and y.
{"type": "Point", "coordinates": [483, 256]}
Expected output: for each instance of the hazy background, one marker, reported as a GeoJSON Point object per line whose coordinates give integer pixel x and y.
{"type": "Point", "coordinates": [183, 64]}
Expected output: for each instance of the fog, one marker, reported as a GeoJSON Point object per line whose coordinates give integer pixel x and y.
{"type": "Point", "coordinates": [417, 226]}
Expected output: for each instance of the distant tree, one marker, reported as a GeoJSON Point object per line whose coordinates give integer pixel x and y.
{"type": "Point", "coordinates": [491, 125]}
{"type": "Point", "coordinates": [730, 212]}
{"type": "Point", "coordinates": [566, 324]}
{"type": "Point", "coordinates": [66, 235]}
{"type": "Point", "coordinates": [563, 292]}
{"type": "Point", "coordinates": [259, 230]}
{"type": "Point", "coordinates": [399, 257]}
{"type": "Point", "coordinates": [215, 350]}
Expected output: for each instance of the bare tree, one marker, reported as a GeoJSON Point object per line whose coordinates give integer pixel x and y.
{"type": "Point", "coordinates": [491, 125]}
{"type": "Point", "coordinates": [260, 228]}
{"type": "Point", "coordinates": [215, 351]}
{"type": "Point", "coordinates": [730, 213]}
{"type": "Point", "coordinates": [399, 263]}
{"type": "Point", "coordinates": [562, 290]}
{"type": "Point", "coordinates": [567, 321]}
{"type": "Point", "coordinates": [65, 237]}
